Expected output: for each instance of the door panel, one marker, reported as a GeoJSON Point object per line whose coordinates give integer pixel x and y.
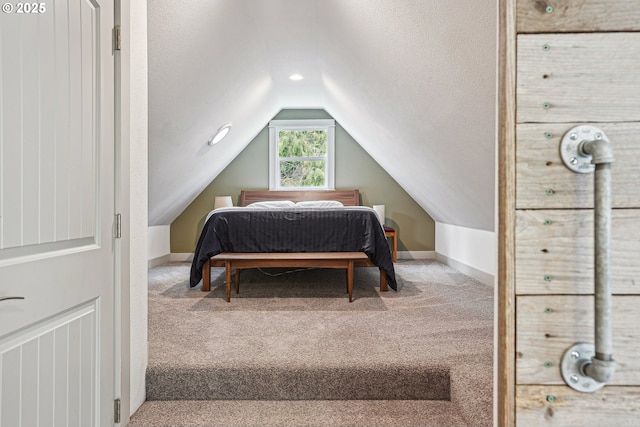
{"type": "Point", "coordinates": [48, 364]}
{"type": "Point", "coordinates": [56, 213]}
{"type": "Point", "coordinates": [50, 128]}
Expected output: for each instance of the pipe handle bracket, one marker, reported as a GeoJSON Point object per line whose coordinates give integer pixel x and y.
{"type": "Point", "coordinates": [584, 146]}
{"type": "Point", "coordinates": [574, 364]}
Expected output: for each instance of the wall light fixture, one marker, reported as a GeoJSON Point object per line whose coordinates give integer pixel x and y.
{"type": "Point", "coordinates": [220, 133]}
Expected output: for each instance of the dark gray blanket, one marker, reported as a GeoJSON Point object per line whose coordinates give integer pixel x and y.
{"type": "Point", "coordinates": [348, 229]}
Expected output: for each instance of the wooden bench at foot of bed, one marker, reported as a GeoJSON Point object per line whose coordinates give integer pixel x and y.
{"type": "Point", "coordinates": [240, 260]}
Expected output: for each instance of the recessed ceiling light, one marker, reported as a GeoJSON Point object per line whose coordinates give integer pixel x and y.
{"type": "Point", "coordinates": [296, 77]}
{"type": "Point", "coordinates": [220, 133]}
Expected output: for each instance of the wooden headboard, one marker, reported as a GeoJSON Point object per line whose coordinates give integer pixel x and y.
{"type": "Point", "coordinates": [346, 197]}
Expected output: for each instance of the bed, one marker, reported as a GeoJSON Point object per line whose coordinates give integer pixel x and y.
{"type": "Point", "coordinates": [292, 221]}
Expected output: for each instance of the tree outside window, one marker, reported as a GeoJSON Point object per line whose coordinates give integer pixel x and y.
{"type": "Point", "coordinates": [301, 154]}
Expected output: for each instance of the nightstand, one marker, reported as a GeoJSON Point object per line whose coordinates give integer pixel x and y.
{"type": "Point", "coordinates": [391, 232]}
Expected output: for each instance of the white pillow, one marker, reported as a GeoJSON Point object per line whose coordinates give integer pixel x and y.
{"type": "Point", "coordinates": [273, 204]}
{"type": "Point", "coordinates": [320, 204]}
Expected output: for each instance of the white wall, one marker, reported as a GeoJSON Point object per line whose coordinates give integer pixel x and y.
{"type": "Point", "coordinates": [159, 242]}
{"type": "Point", "coordinates": [401, 74]}
{"type": "Point", "coordinates": [138, 140]}
{"type": "Point", "coordinates": [472, 251]}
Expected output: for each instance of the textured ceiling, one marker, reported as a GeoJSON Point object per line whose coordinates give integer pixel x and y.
{"type": "Point", "coordinates": [413, 81]}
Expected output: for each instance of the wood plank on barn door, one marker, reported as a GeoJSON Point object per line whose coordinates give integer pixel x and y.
{"type": "Point", "coordinates": [578, 77]}
{"type": "Point", "coordinates": [549, 324]}
{"type": "Point", "coordinates": [539, 167]}
{"type": "Point", "coordinates": [563, 407]}
{"type": "Point", "coordinates": [567, 16]}
{"type": "Point", "coordinates": [554, 251]}
{"type": "Point", "coordinates": [506, 339]}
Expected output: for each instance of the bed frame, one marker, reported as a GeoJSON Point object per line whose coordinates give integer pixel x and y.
{"type": "Point", "coordinates": [346, 197]}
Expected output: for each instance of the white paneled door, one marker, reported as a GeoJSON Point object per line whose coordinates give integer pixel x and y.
{"type": "Point", "coordinates": [56, 213]}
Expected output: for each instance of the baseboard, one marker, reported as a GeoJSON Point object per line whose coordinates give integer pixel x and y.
{"type": "Point", "coordinates": [182, 257]}
{"type": "Point", "coordinates": [416, 255]}
{"type": "Point", "coordinates": [158, 261]}
{"type": "Point", "coordinates": [179, 257]}
{"type": "Point", "coordinates": [486, 278]}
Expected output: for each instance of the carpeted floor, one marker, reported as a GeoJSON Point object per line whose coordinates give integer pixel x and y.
{"type": "Point", "coordinates": [294, 337]}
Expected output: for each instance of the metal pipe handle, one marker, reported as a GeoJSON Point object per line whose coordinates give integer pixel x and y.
{"type": "Point", "coordinates": [586, 367]}
{"type": "Point", "coordinates": [602, 258]}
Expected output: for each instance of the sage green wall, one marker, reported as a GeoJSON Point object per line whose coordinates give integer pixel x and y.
{"type": "Point", "coordinates": [354, 169]}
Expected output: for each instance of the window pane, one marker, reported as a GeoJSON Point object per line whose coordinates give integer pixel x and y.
{"type": "Point", "coordinates": [303, 173]}
{"type": "Point", "coordinates": [302, 143]}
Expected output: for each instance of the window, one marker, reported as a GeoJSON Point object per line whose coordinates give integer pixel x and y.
{"type": "Point", "coordinates": [301, 154]}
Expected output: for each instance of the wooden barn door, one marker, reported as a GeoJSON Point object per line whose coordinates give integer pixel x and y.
{"type": "Point", "coordinates": [56, 214]}
{"type": "Point", "coordinates": [564, 63]}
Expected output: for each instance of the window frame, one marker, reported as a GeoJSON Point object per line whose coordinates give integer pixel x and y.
{"type": "Point", "coordinates": [327, 125]}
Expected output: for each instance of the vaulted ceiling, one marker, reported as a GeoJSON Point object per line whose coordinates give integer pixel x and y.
{"type": "Point", "coordinates": [413, 81]}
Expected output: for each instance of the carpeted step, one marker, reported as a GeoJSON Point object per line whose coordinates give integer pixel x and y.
{"type": "Point", "coordinates": [299, 383]}
{"type": "Point", "coordinates": [297, 352]}
{"type": "Point", "coordinates": [316, 413]}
